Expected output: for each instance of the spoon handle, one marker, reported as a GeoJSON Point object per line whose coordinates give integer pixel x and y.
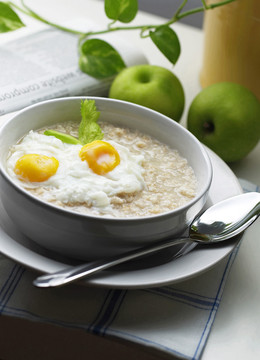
{"type": "Point", "coordinates": [77, 272]}
{"type": "Point", "coordinates": [247, 214]}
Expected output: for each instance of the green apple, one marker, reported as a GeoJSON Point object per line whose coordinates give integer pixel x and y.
{"type": "Point", "coordinates": [226, 117]}
{"type": "Point", "coordinates": [152, 86]}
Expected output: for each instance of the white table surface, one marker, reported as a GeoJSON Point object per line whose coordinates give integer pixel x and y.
{"type": "Point", "coordinates": [236, 331]}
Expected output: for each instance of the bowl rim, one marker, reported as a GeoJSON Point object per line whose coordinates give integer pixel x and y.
{"type": "Point", "coordinates": [104, 218]}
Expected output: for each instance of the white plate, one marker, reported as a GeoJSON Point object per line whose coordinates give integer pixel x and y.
{"type": "Point", "coordinates": [17, 247]}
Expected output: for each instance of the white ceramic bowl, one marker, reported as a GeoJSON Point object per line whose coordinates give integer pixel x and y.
{"type": "Point", "coordinates": [90, 237]}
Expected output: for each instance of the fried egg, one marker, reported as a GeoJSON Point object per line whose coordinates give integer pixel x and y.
{"type": "Point", "coordinates": [72, 173]}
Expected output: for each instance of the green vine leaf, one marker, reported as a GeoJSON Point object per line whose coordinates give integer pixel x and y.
{"type": "Point", "coordinates": [167, 42]}
{"type": "Point", "coordinates": [99, 59]}
{"type": "Point", "coordinates": [121, 10]}
{"type": "Point", "coordinates": [9, 20]}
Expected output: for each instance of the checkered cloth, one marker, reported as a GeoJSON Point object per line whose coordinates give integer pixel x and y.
{"type": "Point", "coordinates": [175, 320]}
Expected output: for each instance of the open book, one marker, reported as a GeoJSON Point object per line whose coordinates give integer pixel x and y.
{"type": "Point", "coordinates": [44, 65]}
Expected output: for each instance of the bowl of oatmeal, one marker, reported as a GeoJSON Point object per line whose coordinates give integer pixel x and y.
{"type": "Point", "coordinates": [90, 191]}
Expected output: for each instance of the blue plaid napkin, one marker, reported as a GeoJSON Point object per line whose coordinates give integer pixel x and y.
{"type": "Point", "coordinates": [173, 320]}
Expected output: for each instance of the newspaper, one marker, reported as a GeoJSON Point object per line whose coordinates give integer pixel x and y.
{"type": "Point", "coordinates": [44, 65]}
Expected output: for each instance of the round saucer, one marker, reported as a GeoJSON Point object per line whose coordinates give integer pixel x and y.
{"type": "Point", "coordinates": [16, 246]}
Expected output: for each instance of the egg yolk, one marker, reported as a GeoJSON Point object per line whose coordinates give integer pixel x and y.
{"type": "Point", "coordinates": [101, 156]}
{"type": "Point", "coordinates": [35, 167]}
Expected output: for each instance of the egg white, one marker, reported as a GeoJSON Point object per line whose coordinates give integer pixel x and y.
{"type": "Point", "coordinates": [74, 182]}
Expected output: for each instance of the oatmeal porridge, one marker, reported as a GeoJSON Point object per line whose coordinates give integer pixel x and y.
{"type": "Point", "coordinates": [149, 178]}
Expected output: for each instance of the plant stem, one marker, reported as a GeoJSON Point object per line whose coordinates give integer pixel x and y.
{"type": "Point", "coordinates": [179, 15]}
{"type": "Point", "coordinates": [204, 3]}
{"type": "Point", "coordinates": [27, 11]}
{"type": "Point", "coordinates": [176, 17]}
{"type": "Point", "coordinates": [212, 6]}
{"type": "Point", "coordinates": [180, 8]}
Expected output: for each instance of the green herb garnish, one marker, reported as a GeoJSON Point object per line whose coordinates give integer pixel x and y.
{"type": "Point", "coordinates": [89, 130]}
{"type": "Point", "coordinates": [63, 137]}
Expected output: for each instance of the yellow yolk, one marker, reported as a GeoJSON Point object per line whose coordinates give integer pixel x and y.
{"type": "Point", "coordinates": [35, 167]}
{"type": "Point", "coordinates": [101, 156]}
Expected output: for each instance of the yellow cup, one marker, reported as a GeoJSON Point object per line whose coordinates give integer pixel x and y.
{"type": "Point", "coordinates": [232, 44]}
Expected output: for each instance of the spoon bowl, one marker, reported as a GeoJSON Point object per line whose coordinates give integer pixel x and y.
{"type": "Point", "coordinates": [220, 222]}
{"type": "Point", "coordinates": [226, 219]}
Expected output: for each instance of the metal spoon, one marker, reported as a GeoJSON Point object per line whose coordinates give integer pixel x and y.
{"type": "Point", "coordinates": [220, 222]}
